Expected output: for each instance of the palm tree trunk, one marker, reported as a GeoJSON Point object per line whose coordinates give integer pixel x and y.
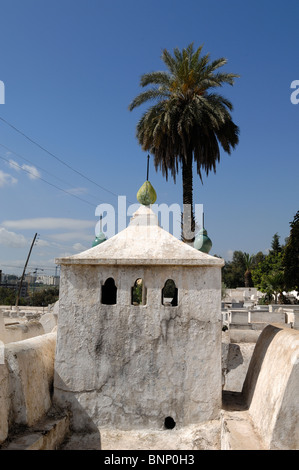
{"type": "Point", "coordinates": [248, 278]}
{"type": "Point", "coordinates": [188, 222]}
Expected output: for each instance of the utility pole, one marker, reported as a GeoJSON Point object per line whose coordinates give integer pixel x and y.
{"type": "Point", "coordinates": [20, 286]}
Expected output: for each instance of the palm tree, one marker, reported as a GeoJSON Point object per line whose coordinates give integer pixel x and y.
{"type": "Point", "coordinates": [187, 122]}
{"type": "Point", "coordinates": [275, 284]}
{"type": "Point", "coordinates": [248, 264]}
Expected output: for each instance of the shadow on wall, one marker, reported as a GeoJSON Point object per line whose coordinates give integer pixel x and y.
{"type": "Point", "coordinates": [235, 358]}
{"type": "Point", "coordinates": [84, 434]}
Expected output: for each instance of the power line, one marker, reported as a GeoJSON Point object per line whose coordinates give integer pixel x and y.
{"type": "Point", "coordinates": [42, 169]}
{"type": "Point", "coordinates": [45, 181]}
{"type": "Point", "coordinates": [29, 267]}
{"type": "Point", "coordinates": [57, 158]}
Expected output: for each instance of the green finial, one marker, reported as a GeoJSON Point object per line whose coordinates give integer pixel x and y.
{"type": "Point", "coordinates": [202, 242]}
{"type": "Point", "coordinates": [146, 194]}
{"type": "Point", "coordinates": [100, 238]}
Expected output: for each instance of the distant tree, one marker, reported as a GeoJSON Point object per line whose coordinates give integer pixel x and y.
{"type": "Point", "coordinates": [7, 296]}
{"type": "Point", "coordinates": [268, 274]}
{"type": "Point", "coordinates": [233, 271]}
{"type": "Point", "coordinates": [275, 245]}
{"type": "Point", "coordinates": [44, 297]}
{"type": "Point", "coordinates": [12, 277]}
{"type": "Point", "coordinates": [258, 258]}
{"type": "Point", "coordinates": [291, 256]}
{"type": "Point", "coordinates": [237, 273]}
{"type": "Point", "coordinates": [275, 284]}
{"type": "Point", "coordinates": [248, 264]}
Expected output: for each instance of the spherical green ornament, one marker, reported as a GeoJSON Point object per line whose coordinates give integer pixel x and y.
{"type": "Point", "coordinates": [202, 242]}
{"type": "Point", "coordinates": [100, 238]}
{"type": "Point", "coordinates": [146, 195]}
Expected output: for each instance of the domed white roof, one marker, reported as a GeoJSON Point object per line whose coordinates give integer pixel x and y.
{"type": "Point", "coordinates": [143, 242]}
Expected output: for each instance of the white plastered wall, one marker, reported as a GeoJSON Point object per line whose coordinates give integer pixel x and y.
{"type": "Point", "coordinates": [131, 366]}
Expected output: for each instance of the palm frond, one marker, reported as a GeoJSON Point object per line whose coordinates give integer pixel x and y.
{"type": "Point", "coordinates": [155, 78]}
{"type": "Point", "coordinates": [149, 95]}
{"type": "Point", "coordinates": [225, 78]}
{"type": "Point", "coordinates": [169, 61]}
{"type": "Point", "coordinates": [216, 64]}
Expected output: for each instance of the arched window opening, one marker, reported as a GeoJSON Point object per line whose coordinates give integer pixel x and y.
{"type": "Point", "coordinates": [109, 291]}
{"type": "Point", "coordinates": [138, 293]}
{"type": "Point", "coordinates": [170, 294]}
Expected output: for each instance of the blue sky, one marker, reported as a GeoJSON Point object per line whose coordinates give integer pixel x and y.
{"type": "Point", "coordinates": [71, 68]}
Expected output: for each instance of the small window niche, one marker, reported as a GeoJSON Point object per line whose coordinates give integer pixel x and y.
{"type": "Point", "coordinates": [109, 292]}
{"type": "Point", "coordinates": [170, 294]}
{"type": "Point", "coordinates": [138, 293]}
{"type": "Point", "coordinates": [169, 423]}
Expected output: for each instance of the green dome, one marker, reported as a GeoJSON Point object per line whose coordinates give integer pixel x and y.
{"type": "Point", "coordinates": [100, 238]}
{"type": "Point", "coordinates": [146, 195]}
{"type": "Point", "coordinates": [202, 242]}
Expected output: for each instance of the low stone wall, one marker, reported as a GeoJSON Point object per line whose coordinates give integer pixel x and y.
{"type": "Point", "coordinates": [281, 307]}
{"type": "Point", "coordinates": [265, 314]}
{"type": "Point", "coordinates": [266, 317]}
{"type": "Point", "coordinates": [245, 325]}
{"type": "Point", "coordinates": [18, 329]}
{"type": "Point", "coordinates": [22, 331]}
{"type": "Point", "coordinates": [239, 317]}
{"type": "Point", "coordinates": [271, 387]}
{"type": "Point", "coordinates": [26, 382]}
{"type": "Point", "coordinates": [22, 311]}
